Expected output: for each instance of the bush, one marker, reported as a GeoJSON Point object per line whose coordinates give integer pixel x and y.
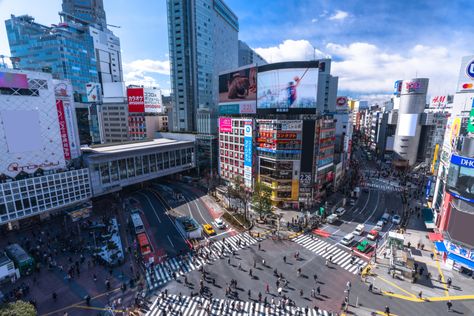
{"type": "Point", "coordinates": [18, 308]}
{"type": "Point", "coordinates": [235, 219]}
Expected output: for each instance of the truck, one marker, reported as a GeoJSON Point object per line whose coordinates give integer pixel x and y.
{"type": "Point", "coordinates": [7, 270]}
{"type": "Point", "coordinates": [188, 227]}
{"type": "Point", "coordinates": [23, 262]}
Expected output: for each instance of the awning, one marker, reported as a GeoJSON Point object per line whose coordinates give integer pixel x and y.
{"type": "Point", "coordinates": [440, 246]}
{"type": "Point", "coordinates": [435, 236]}
{"type": "Point", "coordinates": [428, 217]}
{"type": "Point", "coordinates": [462, 261]}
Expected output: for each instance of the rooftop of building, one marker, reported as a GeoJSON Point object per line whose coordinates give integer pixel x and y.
{"type": "Point", "coordinates": [132, 146]}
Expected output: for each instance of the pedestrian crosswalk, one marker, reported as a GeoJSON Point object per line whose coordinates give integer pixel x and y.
{"type": "Point", "coordinates": [199, 306]}
{"type": "Point", "coordinates": [162, 273]}
{"type": "Point", "coordinates": [326, 250]}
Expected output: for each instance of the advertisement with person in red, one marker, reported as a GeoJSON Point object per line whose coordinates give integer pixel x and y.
{"type": "Point", "coordinates": [136, 100]}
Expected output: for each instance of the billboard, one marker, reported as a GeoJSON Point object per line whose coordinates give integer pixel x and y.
{"type": "Point", "coordinates": [414, 86]}
{"type": "Point", "coordinates": [239, 89]}
{"type": "Point", "coordinates": [248, 153]}
{"type": "Point", "coordinates": [466, 74]}
{"type": "Point", "coordinates": [225, 125]}
{"type": "Point", "coordinates": [439, 101]}
{"type": "Point", "coordinates": [289, 88]}
{"type": "Point", "coordinates": [136, 100]}
{"type": "Point", "coordinates": [13, 80]}
{"type": "Point", "coordinates": [92, 92]}
{"type": "Point", "coordinates": [63, 130]}
{"type": "Point", "coordinates": [397, 87]}
{"type": "Point", "coordinates": [470, 122]}
{"type": "Point", "coordinates": [152, 100]}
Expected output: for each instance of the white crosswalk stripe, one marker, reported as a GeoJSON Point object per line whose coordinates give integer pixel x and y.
{"type": "Point", "coordinates": [327, 250]}
{"type": "Point", "coordinates": [163, 272]}
{"type": "Point", "coordinates": [192, 306]}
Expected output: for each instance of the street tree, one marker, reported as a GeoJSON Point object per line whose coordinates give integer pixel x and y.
{"type": "Point", "coordinates": [261, 199]}
{"type": "Point", "coordinates": [18, 308]}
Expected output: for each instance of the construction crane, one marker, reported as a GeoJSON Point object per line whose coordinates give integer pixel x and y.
{"type": "Point", "coordinates": [116, 26]}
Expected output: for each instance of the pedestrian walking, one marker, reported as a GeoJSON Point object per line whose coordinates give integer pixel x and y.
{"type": "Point", "coordinates": [284, 259]}
{"type": "Point", "coordinates": [387, 310]}
{"type": "Point", "coordinates": [249, 293]}
{"type": "Point", "coordinates": [450, 305]}
{"type": "Point", "coordinates": [449, 282]}
{"type": "Point", "coordinates": [318, 290]}
{"type": "Point", "coordinates": [420, 295]}
{"type": "Point", "coordinates": [267, 288]}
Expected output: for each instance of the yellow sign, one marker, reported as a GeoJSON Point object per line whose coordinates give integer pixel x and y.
{"type": "Point", "coordinates": [435, 158]}
{"type": "Point", "coordinates": [294, 190]}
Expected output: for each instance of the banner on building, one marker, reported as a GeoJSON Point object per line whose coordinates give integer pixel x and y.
{"type": "Point", "coordinates": [136, 100]}
{"type": "Point", "coordinates": [248, 154]}
{"type": "Point", "coordinates": [63, 130]}
{"type": "Point", "coordinates": [152, 99]}
{"type": "Point", "coordinates": [225, 124]}
{"type": "Point", "coordinates": [93, 92]}
{"type": "Point", "coordinates": [470, 123]}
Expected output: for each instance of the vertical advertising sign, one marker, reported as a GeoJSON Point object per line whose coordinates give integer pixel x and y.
{"type": "Point", "coordinates": [225, 124]}
{"type": "Point", "coordinates": [248, 153]}
{"type": "Point", "coordinates": [470, 123]}
{"type": "Point", "coordinates": [92, 91]}
{"type": "Point", "coordinates": [63, 130]}
{"type": "Point", "coordinates": [136, 100]}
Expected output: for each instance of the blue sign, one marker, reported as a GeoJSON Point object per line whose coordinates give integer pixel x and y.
{"type": "Point", "coordinates": [229, 109]}
{"type": "Point", "coordinates": [460, 196]}
{"type": "Point", "coordinates": [428, 188]}
{"type": "Point", "coordinates": [462, 161]}
{"type": "Point", "coordinates": [248, 144]}
{"type": "Point", "coordinates": [397, 87]}
{"type": "Point", "coordinates": [470, 69]}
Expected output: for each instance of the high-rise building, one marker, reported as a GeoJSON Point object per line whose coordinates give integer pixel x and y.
{"type": "Point", "coordinates": [203, 41]}
{"type": "Point", "coordinates": [88, 11]}
{"type": "Point", "coordinates": [65, 50]}
{"type": "Point", "coordinates": [248, 56]}
{"type": "Point", "coordinates": [115, 113]}
{"type": "Point", "coordinates": [407, 136]}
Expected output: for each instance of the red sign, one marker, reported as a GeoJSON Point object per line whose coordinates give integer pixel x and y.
{"type": "Point", "coordinates": [136, 100]}
{"type": "Point", "coordinates": [63, 129]}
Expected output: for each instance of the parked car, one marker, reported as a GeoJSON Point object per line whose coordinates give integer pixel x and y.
{"type": "Point", "coordinates": [379, 225]}
{"type": "Point", "coordinates": [340, 211]}
{"type": "Point", "coordinates": [373, 234]}
{"type": "Point", "coordinates": [396, 219]}
{"type": "Point", "coordinates": [220, 223]}
{"type": "Point", "coordinates": [348, 239]}
{"type": "Point", "coordinates": [208, 229]}
{"type": "Point", "coordinates": [352, 202]}
{"type": "Point", "coordinates": [385, 218]}
{"type": "Point", "coordinates": [359, 230]}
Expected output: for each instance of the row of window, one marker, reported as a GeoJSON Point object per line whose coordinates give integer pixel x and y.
{"type": "Point", "coordinates": [136, 166]}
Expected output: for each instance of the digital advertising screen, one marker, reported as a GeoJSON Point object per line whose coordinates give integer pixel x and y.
{"type": "Point", "coordinates": [290, 88]}
{"type": "Point", "coordinates": [238, 91]}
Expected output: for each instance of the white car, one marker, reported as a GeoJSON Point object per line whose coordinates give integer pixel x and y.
{"type": "Point", "coordinates": [220, 223]}
{"type": "Point", "coordinates": [348, 239]}
{"type": "Point", "coordinates": [340, 211]}
{"type": "Point", "coordinates": [396, 219]}
{"type": "Point", "coordinates": [379, 225]}
{"type": "Point", "coordinates": [359, 230]}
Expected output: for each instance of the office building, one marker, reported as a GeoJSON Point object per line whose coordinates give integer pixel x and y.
{"type": "Point", "coordinates": [272, 134]}
{"type": "Point", "coordinates": [35, 47]}
{"type": "Point", "coordinates": [248, 56]}
{"type": "Point", "coordinates": [38, 142]}
{"type": "Point", "coordinates": [203, 41]}
{"type": "Point", "coordinates": [114, 112]}
{"type": "Point", "coordinates": [88, 11]}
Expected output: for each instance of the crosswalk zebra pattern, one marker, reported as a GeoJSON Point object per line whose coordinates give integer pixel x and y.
{"type": "Point", "coordinates": [340, 257]}
{"type": "Point", "coordinates": [199, 306]}
{"type": "Point", "coordinates": [163, 272]}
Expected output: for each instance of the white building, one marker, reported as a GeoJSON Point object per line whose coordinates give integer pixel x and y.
{"type": "Point", "coordinates": [36, 147]}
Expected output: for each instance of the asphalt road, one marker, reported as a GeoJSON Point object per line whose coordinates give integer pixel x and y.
{"type": "Point", "coordinates": [162, 227]}
{"type": "Point", "coordinates": [332, 281]}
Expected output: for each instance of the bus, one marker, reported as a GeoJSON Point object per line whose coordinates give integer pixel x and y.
{"type": "Point", "coordinates": [137, 223]}
{"type": "Point", "coordinates": [22, 260]}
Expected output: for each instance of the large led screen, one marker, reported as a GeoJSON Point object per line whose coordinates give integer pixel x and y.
{"type": "Point", "coordinates": [287, 88]}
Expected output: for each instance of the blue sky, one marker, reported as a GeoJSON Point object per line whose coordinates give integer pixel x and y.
{"type": "Point", "coordinates": [372, 43]}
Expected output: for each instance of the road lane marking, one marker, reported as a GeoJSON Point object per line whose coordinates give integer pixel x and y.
{"type": "Point", "coordinates": [151, 204]}
{"type": "Point", "coordinates": [446, 291]}
{"type": "Point", "coordinates": [169, 239]}
{"type": "Point", "coordinates": [396, 286]}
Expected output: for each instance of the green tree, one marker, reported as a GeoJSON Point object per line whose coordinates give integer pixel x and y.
{"type": "Point", "coordinates": [261, 199]}
{"type": "Point", "coordinates": [18, 308]}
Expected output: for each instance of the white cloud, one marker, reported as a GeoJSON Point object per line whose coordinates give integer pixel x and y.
{"type": "Point", "coordinates": [339, 15]}
{"type": "Point", "coordinates": [314, 20]}
{"type": "Point", "coordinates": [290, 50]}
{"type": "Point", "coordinates": [138, 71]}
{"type": "Point", "coordinates": [366, 69]}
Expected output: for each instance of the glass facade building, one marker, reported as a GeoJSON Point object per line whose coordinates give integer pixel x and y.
{"type": "Point", "coordinates": [66, 50]}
